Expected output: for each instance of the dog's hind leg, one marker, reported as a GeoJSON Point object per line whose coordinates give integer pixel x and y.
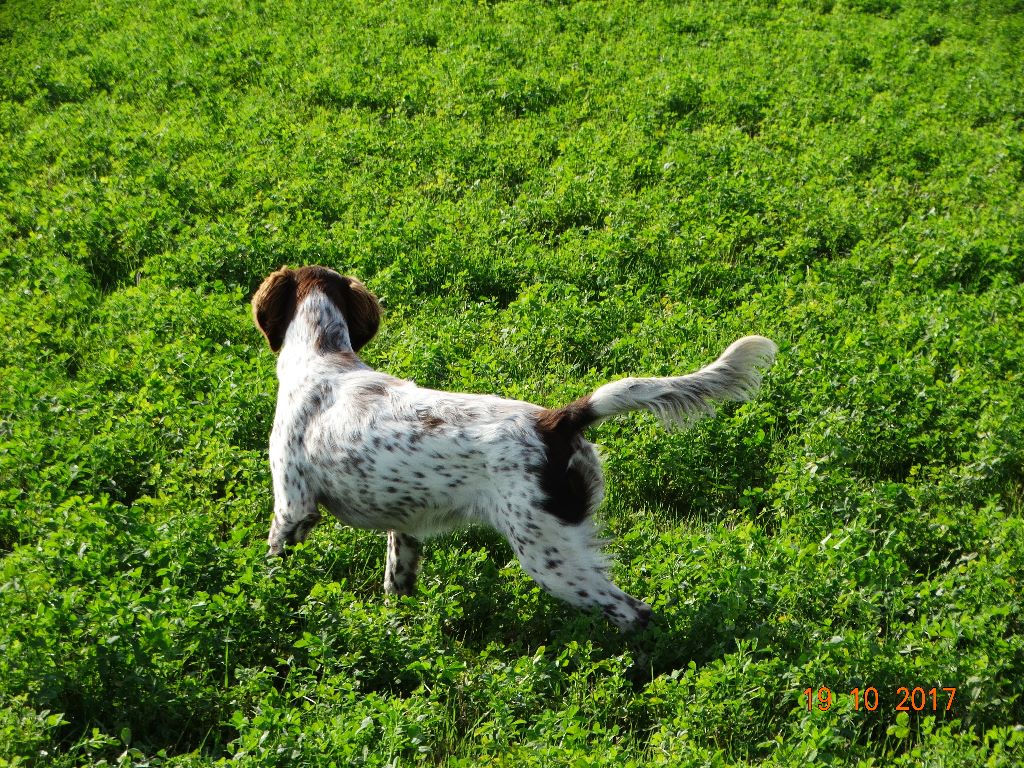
{"type": "Point", "coordinates": [566, 560]}
{"type": "Point", "coordinates": [402, 564]}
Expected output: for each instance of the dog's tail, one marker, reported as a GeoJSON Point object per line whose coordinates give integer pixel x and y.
{"type": "Point", "coordinates": [677, 401]}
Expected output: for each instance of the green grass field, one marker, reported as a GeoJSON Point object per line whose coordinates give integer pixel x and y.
{"type": "Point", "coordinates": [545, 196]}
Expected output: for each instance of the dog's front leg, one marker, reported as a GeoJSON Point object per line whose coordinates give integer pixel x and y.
{"type": "Point", "coordinates": [295, 511]}
{"type": "Point", "coordinates": [402, 564]}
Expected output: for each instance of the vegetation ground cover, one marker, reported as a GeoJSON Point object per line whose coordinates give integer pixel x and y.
{"type": "Point", "coordinates": [545, 195]}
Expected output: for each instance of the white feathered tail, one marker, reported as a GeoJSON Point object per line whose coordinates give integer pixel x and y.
{"type": "Point", "coordinates": [678, 401]}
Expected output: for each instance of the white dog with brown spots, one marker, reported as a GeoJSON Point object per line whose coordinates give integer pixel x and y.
{"type": "Point", "coordinates": [382, 453]}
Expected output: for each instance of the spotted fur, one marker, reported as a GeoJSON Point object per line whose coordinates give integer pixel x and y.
{"type": "Point", "coordinates": [381, 453]}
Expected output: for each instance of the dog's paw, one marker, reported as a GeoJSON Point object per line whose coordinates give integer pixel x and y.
{"type": "Point", "coordinates": [629, 615]}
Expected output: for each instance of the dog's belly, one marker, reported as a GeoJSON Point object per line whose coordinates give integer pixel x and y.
{"type": "Point", "coordinates": [389, 490]}
{"type": "Point", "coordinates": [402, 515]}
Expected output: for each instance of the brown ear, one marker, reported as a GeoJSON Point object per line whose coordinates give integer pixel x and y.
{"type": "Point", "coordinates": [273, 306]}
{"type": "Point", "coordinates": [362, 313]}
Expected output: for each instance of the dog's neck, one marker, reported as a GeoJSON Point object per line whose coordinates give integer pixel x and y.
{"type": "Point", "coordinates": [317, 332]}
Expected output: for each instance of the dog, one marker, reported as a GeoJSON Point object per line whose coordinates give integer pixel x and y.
{"type": "Point", "coordinates": [381, 453]}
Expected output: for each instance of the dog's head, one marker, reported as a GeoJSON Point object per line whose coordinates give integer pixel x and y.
{"type": "Point", "coordinates": [279, 296]}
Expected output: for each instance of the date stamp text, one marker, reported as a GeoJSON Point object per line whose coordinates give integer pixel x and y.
{"type": "Point", "coordinates": [906, 699]}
